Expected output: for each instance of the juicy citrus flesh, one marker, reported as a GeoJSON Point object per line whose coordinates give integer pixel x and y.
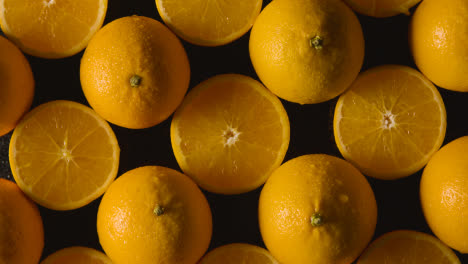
{"type": "Point", "coordinates": [21, 229]}
{"type": "Point", "coordinates": [154, 215]}
{"type": "Point", "coordinates": [230, 133]}
{"type": "Point", "coordinates": [382, 8]}
{"type": "Point", "coordinates": [209, 23]}
{"type": "Point", "coordinates": [307, 51]}
{"type": "Point", "coordinates": [443, 193]}
{"type": "Point", "coordinates": [51, 28]}
{"type": "Point", "coordinates": [135, 72]}
{"type": "Point", "coordinates": [317, 209]}
{"type": "Point", "coordinates": [390, 122]}
{"type": "Point", "coordinates": [408, 247]}
{"type": "Point", "coordinates": [63, 155]}
{"type": "Point", "coordinates": [238, 253]}
{"type": "Point", "coordinates": [438, 35]}
{"type": "Point", "coordinates": [16, 86]}
{"type": "Point", "coordinates": [77, 255]}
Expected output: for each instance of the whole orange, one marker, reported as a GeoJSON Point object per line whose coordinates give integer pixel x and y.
{"type": "Point", "coordinates": [77, 255]}
{"type": "Point", "coordinates": [135, 72]}
{"type": "Point", "coordinates": [307, 51]}
{"type": "Point", "coordinates": [438, 39]}
{"type": "Point", "coordinates": [21, 230]}
{"type": "Point", "coordinates": [444, 194]}
{"type": "Point", "coordinates": [154, 215]}
{"type": "Point", "coordinates": [16, 85]}
{"type": "Point", "coordinates": [317, 209]}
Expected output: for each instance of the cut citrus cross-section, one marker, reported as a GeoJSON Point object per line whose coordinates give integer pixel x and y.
{"type": "Point", "coordinates": [63, 155]}
{"type": "Point", "coordinates": [209, 23]}
{"type": "Point", "coordinates": [238, 253]}
{"type": "Point", "coordinates": [51, 28]}
{"type": "Point", "coordinates": [382, 8]}
{"type": "Point", "coordinates": [390, 122]}
{"type": "Point", "coordinates": [408, 247]}
{"type": "Point", "coordinates": [230, 133]}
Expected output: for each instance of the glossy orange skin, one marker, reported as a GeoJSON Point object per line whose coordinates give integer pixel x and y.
{"type": "Point", "coordinates": [438, 39]}
{"type": "Point", "coordinates": [21, 229]}
{"type": "Point", "coordinates": [317, 184]}
{"type": "Point", "coordinates": [284, 56]}
{"type": "Point", "coordinates": [77, 255]}
{"type": "Point", "coordinates": [444, 194]}
{"type": "Point", "coordinates": [135, 46]}
{"type": "Point", "coordinates": [16, 85]}
{"type": "Point", "coordinates": [132, 229]}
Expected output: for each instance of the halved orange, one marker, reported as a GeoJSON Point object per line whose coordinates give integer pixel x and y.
{"type": "Point", "coordinates": [209, 23]}
{"type": "Point", "coordinates": [63, 155]}
{"type": "Point", "coordinates": [238, 253]}
{"type": "Point", "coordinates": [51, 28]}
{"type": "Point", "coordinates": [408, 247]}
{"type": "Point", "coordinates": [230, 133]}
{"type": "Point", "coordinates": [390, 122]}
{"type": "Point", "coordinates": [77, 255]}
{"type": "Point", "coordinates": [382, 8]}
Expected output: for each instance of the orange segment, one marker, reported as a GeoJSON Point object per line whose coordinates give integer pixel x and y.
{"type": "Point", "coordinates": [51, 28]}
{"type": "Point", "coordinates": [238, 253]}
{"type": "Point", "coordinates": [77, 255]}
{"type": "Point", "coordinates": [209, 23]}
{"type": "Point", "coordinates": [230, 133]}
{"type": "Point", "coordinates": [390, 122]}
{"type": "Point", "coordinates": [63, 155]}
{"type": "Point", "coordinates": [408, 247]}
{"type": "Point", "coordinates": [382, 8]}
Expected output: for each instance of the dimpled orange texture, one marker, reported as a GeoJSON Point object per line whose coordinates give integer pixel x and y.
{"type": "Point", "coordinates": [444, 194]}
{"type": "Point", "coordinates": [16, 85]}
{"type": "Point", "coordinates": [317, 209]}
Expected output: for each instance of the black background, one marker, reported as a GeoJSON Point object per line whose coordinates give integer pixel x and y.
{"type": "Point", "coordinates": [235, 216]}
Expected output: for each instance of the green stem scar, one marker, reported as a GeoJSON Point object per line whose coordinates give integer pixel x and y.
{"type": "Point", "coordinates": [316, 219]}
{"type": "Point", "coordinates": [135, 80]}
{"type": "Point", "coordinates": [316, 42]}
{"type": "Point", "coordinates": [159, 210]}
